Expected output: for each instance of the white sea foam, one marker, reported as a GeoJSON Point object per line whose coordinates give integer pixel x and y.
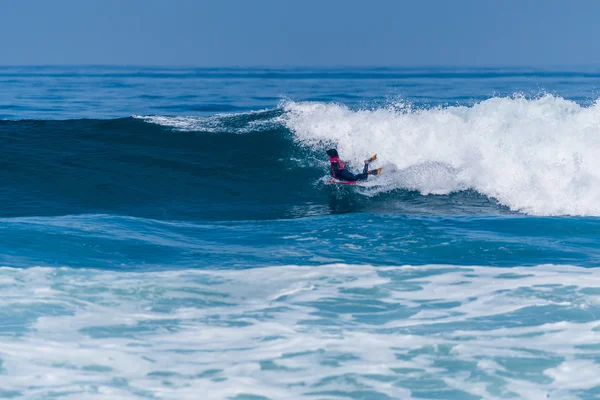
{"type": "Point", "coordinates": [538, 156]}
{"type": "Point", "coordinates": [335, 331]}
{"type": "Point", "coordinates": [185, 124]}
{"type": "Point", "coordinates": [218, 123]}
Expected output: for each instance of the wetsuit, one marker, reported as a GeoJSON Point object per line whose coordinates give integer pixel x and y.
{"type": "Point", "coordinates": [339, 171]}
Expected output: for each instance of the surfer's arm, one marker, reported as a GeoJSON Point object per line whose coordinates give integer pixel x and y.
{"type": "Point", "coordinates": [336, 168]}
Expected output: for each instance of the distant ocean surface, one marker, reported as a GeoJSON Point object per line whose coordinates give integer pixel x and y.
{"type": "Point", "coordinates": [168, 233]}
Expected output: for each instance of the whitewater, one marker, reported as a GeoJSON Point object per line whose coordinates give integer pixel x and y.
{"type": "Point", "coordinates": [168, 233]}
{"type": "Point", "coordinates": [334, 331]}
{"type": "Point", "coordinates": [535, 156]}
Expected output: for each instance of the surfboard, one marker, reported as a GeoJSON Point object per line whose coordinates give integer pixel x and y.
{"type": "Point", "coordinates": [338, 182]}
{"type": "Point", "coordinates": [341, 182]}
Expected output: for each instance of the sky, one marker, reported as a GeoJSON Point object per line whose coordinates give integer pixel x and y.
{"type": "Point", "coordinates": [209, 33]}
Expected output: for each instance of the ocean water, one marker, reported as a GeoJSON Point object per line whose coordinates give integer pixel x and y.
{"type": "Point", "coordinates": [168, 233]}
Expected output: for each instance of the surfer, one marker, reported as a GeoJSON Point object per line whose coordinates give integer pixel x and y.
{"type": "Point", "coordinates": [339, 170]}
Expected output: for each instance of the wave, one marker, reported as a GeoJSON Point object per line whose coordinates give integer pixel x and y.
{"type": "Point", "coordinates": [131, 243]}
{"type": "Point", "coordinates": [342, 331]}
{"type": "Point", "coordinates": [536, 156]}
{"type": "Point", "coordinates": [132, 167]}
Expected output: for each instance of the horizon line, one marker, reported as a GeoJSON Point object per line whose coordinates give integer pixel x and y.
{"type": "Point", "coordinates": [290, 66]}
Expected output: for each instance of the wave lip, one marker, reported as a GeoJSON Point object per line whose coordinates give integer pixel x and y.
{"type": "Point", "coordinates": [537, 156]}
{"type": "Point", "coordinates": [246, 122]}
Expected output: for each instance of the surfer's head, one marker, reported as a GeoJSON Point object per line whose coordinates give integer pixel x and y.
{"type": "Point", "coordinates": [332, 153]}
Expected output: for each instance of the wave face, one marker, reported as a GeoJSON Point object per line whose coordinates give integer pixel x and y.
{"type": "Point", "coordinates": [535, 156]}
{"type": "Point", "coordinates": [127, 166]}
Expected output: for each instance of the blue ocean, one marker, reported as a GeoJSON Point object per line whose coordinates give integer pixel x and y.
{"type": "Point", "coordinates": [169, 233]}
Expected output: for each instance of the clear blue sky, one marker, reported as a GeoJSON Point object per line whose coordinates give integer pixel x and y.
{"type": "Point", "coordinates": [300, 32]}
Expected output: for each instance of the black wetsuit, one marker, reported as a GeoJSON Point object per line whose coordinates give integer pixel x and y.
{"type": "Point", "coordinates": [345, 175]}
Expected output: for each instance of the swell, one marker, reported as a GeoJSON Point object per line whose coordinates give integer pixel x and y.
{"type": "Point", "coordinates": [501, 155]}
{"type": "Point", "coordinates": [128, 166]}
{"type": "Point", "coordinates": [229, 167]}
{"type": "Point", "coordinates": [123, 242]}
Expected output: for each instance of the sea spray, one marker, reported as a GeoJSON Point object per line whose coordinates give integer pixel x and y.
{"type": "Point", "coordinates": [538, 156]}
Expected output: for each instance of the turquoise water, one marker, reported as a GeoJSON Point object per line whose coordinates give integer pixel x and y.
{"type": "Point", "coordinates": [169, 233]}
